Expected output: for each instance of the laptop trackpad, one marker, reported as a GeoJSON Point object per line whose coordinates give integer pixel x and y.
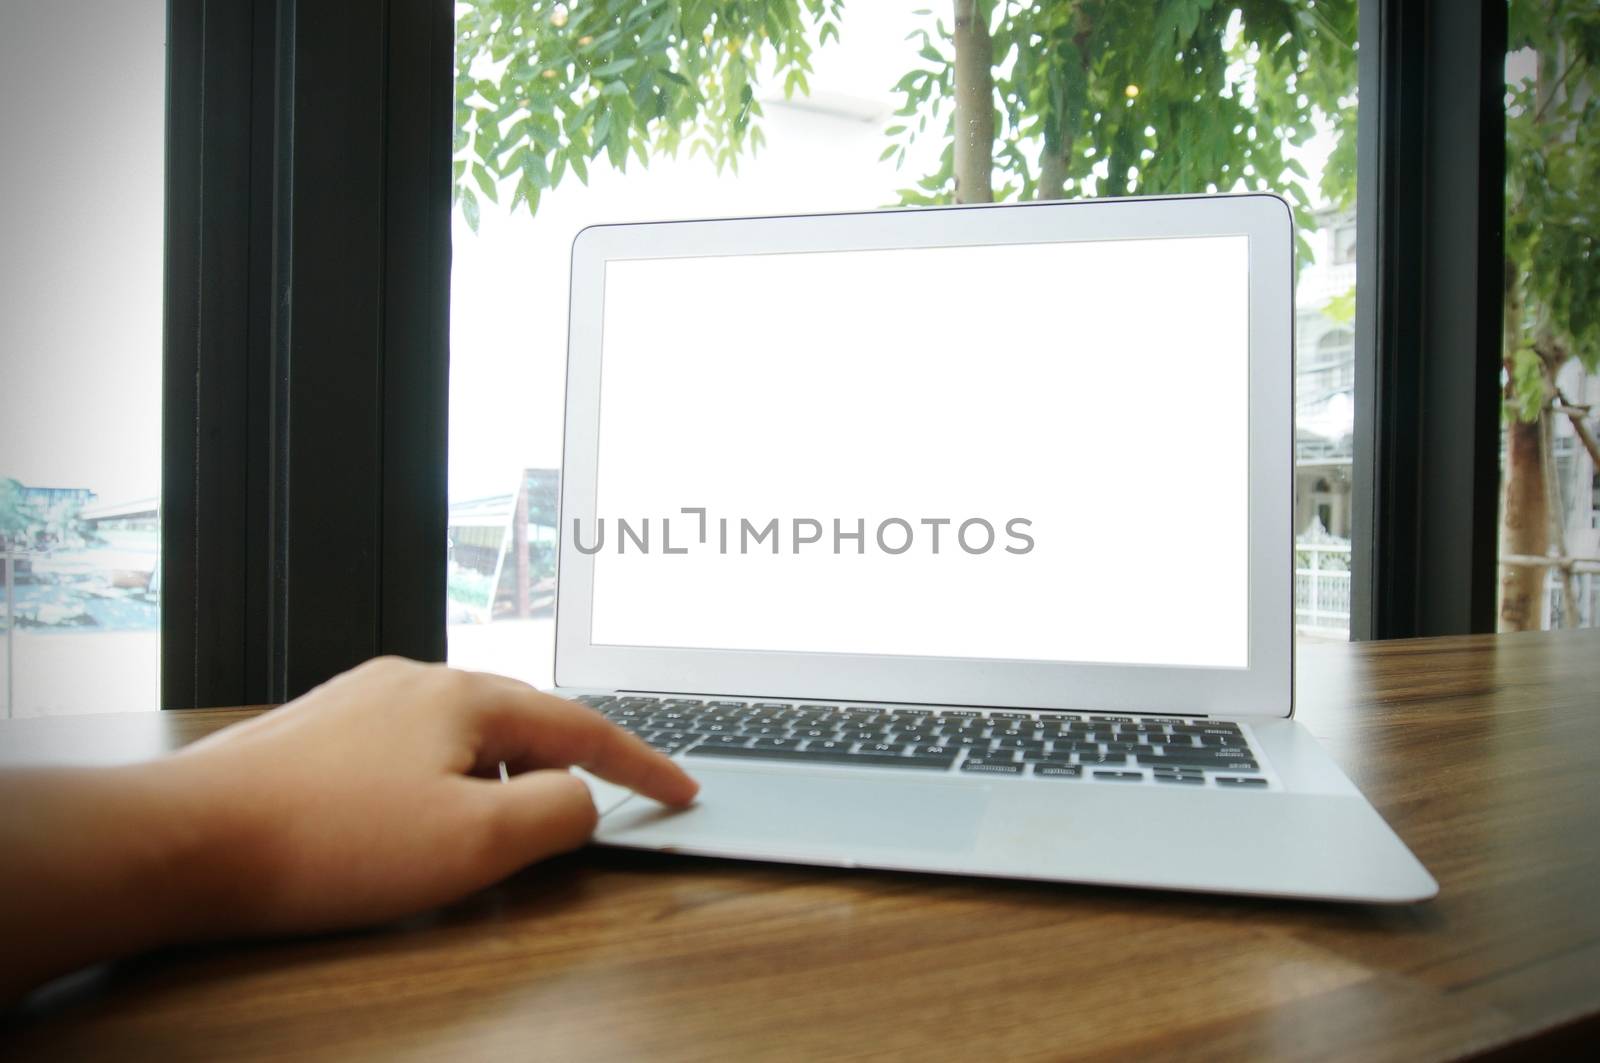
{"type": "Point", "coordinates": [835, 817]}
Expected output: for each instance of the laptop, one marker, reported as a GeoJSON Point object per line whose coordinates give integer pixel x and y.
{"type": "Point", "coordinates": [955, 540]}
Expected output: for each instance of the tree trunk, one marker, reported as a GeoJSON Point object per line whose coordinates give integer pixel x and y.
{"type": "Point", "coordinates": [974, 118]}
{"type": "Point", "coordinates": [1525, 526]}
{"type": "Point", "coordinates": [1525, 509]}
{"type": "Point", "coordinates": [1591, 443]}
{"type": "Point", "coordinates": [1052, 175]}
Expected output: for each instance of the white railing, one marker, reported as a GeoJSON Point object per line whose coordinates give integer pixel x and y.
{"type": "Point", "coordinates": [1322, 586]}
{"type": "Point", "coordinates": [1586, 584]}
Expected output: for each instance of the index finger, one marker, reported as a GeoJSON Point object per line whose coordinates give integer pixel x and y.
{"type": "Point", "coordinates": [521, 723]}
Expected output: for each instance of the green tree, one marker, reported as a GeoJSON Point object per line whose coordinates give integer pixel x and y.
{"type": "Point", "coordinates": [1065, 98]}
{"type": "Point", "coordinates": [1052, 97]}
{"type": "Point", "coordinates": [544, 88]}
{"type": "Point", "coordinates": [1552, 282]}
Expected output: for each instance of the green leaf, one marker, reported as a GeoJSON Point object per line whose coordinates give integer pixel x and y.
{"type": "Point", "coordinates": [611, 69]}
{"type": "Point", "coordinates": [486, 182]}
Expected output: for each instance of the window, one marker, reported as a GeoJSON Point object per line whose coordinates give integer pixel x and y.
{"type": "Point", "coordinates": [569, 114]}
{"type": "Point", "coordinates": [80, 328]}
{"type": "Point", "coordinates": [1550, 536]}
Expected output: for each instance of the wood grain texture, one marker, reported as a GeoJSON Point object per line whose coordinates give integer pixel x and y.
{"type": "Point", "coordinates": [1483, 752]}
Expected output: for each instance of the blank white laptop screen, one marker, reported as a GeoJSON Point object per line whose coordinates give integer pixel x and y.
{"type": "Point", "coordinates": [1076, 412]}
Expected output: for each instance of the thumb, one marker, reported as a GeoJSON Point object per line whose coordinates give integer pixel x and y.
{"type": "Point", "coordinates": [538, 815]}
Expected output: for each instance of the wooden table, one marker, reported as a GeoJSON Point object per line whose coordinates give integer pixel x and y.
{"type": "Point", "coordinates": [1483, 752]}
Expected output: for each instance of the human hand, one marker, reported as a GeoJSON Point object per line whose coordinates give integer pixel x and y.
{"type": "Point", "coordinates": [378, 794]}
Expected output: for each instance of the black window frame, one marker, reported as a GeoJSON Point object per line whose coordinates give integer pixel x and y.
{"type": "Point", "coordinates": [306, 356]}
{"type": "Point", "coordinates": [306, 371]}
{"type": "Point", "coordinates": [1430, 251]}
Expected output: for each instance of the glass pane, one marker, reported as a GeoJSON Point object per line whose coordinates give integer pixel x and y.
{"type": "Point", "coordinates": [616, 110]}
{"type": "Point", "coordinates": [1550, 457]}
{"type": "Point", "coordinates": [80, 335]}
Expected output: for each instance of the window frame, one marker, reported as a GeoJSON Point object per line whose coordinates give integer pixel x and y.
{"type": "Point", "coordinates": [1430, 245]}
{"type": "Point", "coordinates": [305, 350]}
{"type": "Point", "coordinates": [306, 333]}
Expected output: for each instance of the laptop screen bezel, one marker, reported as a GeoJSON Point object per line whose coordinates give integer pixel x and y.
{"type": "Point", "coordinates": [1264, 686]}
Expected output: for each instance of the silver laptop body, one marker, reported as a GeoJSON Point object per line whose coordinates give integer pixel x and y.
{"type": "Point", "coordinates": [955, 540]}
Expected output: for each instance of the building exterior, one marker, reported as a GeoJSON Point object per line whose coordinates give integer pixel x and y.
{"type": "Point", "coordinates": [1324, 428]}
{"type": "Point", "coordinates": [1325, 381]}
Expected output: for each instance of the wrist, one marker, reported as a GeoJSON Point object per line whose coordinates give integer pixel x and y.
{"type": "Point", "coordinates": [119, 860]}
{"type": "Point", "coordinates": [197, 871]}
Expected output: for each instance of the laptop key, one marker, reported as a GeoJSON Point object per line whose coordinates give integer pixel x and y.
{"type": "Point", "coordinates": [1197, 759]}
{"type": "Point", "coordinates": [1058, 770]}
{"type": "Point", "coordinates": [820, 756]}
{"type": "Point", "coordinates": [1229, 780]}
{"type": "Point", "coordinates": [989, 766]}
{"type": "Point", "coordinates": [1193, 780]}
{"type": "Point", "coordinates": [1120, 776]}
{"type": "Point", "coordinates": [1102, 758]}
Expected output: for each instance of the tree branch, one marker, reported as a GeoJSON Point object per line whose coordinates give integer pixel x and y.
{"type": "Point", "coordinates": [1580, 426]}
{"type": "Point", "coordinates": [1548, 100]}
{"type": "Point", "coordinates": [1553, 354]}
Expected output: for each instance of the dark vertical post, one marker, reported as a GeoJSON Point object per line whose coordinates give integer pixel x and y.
{"type": "Point", "coordinates": [212, 586]}
{"type": "Point", "coordinates": [1430, 247]}
{"type": "Point", "coordinates": [306, 366]}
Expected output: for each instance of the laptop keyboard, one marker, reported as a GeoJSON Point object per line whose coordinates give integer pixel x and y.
{"type": "Point", "coordinates": [1167, 751]}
